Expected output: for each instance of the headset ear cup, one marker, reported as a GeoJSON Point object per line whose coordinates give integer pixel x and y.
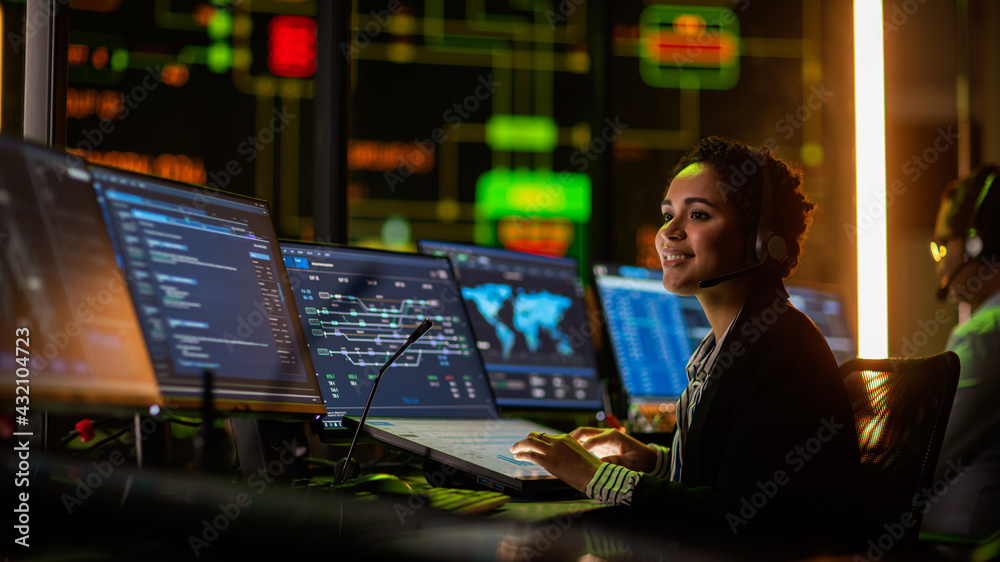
{"type": "Point", "coordinates": [777, 248]}
{"type": "Point", "coordinates": [771, 248]}
{"type": "Point", "coordinates": [973, 247]}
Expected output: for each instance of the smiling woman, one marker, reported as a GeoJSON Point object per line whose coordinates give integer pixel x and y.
{"type": "Point", "coordinates": [745, 457]}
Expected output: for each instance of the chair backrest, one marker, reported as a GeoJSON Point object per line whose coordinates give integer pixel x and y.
{"type": "Point", "coordinates": [901, 409]}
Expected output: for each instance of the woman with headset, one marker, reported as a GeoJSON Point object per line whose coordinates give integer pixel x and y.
{"type": "Point", "coordinates": [765, 442]}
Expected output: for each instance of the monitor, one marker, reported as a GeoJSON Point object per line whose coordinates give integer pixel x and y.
{"type": "Point", "coordinates": [357, 306]}
{"type": "Point", "coordinates": [206, 274]}
{"type": "Point", "coordinates": [531, 325]}
{"type": "Point", "coordinates": [75, 340]}
{"type": "Point", "coordinates": [825, 308]}
{"type": "Point", "coordinates": [653, 332]}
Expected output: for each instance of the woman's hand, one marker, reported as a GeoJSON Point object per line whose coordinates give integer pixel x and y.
{"type": "Point", "coordinates": [561, 455]}
{"type": "Point", "coordinates": [615, 447]}
{"type": "Point", "coordinates": [572, 459]}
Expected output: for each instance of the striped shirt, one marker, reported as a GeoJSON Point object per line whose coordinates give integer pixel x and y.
{"type": "Point", "coordinates": [614, 484]}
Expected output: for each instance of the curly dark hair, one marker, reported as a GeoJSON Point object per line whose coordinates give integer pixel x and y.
{"type": "Point", "coordinates": [741, 171]}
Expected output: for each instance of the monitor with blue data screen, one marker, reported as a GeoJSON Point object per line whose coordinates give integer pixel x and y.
{"type": "Point", "coordinates": [357, 307]}
{"type": "Point", "coordinates": [531, 325]}
{"type": "Point", "coordinates": [653, 332]}
{"type": "Point", "coordinates": [75, 340]}
{"type": "Point", "coordinates": [205, 272]}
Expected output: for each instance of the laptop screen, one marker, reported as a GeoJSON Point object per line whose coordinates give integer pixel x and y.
{"type": "Point", "coordinates": [653, 332]}
{"type": "Point", "coordinates": [531, 325]}
{"type": "Point", "coordinates": [826, 309]}
{"type": "Point", "coordinates": [357, 306]}
{"type": "Point", "coordinates": [72, 326]}
{"type": "Point", "coordinates": [205, 272]}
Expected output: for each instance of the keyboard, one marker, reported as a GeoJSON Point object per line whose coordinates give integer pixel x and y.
{"type": "Point", "coordinates": [463, 502]}
{"type": "Point", "coordinates": [452, 500]}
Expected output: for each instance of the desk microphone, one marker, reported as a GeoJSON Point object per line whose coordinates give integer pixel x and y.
{"type": "Point", "coordinates": [348, 468]}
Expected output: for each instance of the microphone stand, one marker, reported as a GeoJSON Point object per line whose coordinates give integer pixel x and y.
{"type": "Point", "coordinates": [348, 468]}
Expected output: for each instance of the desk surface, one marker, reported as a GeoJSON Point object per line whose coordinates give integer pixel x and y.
{"type": "Point", "coordinates": [90, 510]}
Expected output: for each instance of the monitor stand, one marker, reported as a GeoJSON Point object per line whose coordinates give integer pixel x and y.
{"type": "Point", "coordinates": [266, 449]}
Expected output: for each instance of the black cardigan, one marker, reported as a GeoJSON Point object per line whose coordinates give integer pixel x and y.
{"type": "Point", "coordinates": [772, 448]}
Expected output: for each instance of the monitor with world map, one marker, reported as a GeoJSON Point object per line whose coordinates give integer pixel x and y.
{"type": "Point", "coordinates": [530, 323]}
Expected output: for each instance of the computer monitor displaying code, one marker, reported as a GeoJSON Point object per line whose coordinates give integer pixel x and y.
{"type": "Point", "coordinates": [358, 306]}
{"type": "Point", "coordinates": [826, 309]}
{"type": "Point", "coordinates": [205, 272]}
{"type": "Point", "coordinates": [531, 325]}
{"type": "Point", "coordinates": [653, 332]}
{"type": "Point", "coordinates": [75, 340]}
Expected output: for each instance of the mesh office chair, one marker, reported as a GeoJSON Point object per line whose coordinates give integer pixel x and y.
{"type": "Point", "coordinates": [901, 408]}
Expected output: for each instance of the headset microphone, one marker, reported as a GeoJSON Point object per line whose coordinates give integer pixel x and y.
{"type": "Point", "coordinates": [947, 280]}
{"type": "Point", "coordinates": [766, 246]}
{"type": "Point", "coordinates": [706, 283]}
{"type": "Point", "coordinates": [347, 468]}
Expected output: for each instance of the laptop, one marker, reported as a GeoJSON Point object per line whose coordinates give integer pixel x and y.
{"type": "Point", "coordinates": [531, 325]}
{"type": "Point", "coordinates": [356, 307]}
{"type": "Point", "coordinates": [653, 333]}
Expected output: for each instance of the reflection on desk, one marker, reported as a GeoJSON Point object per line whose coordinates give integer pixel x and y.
{"type": "Point", "coordinates": [100, 511]}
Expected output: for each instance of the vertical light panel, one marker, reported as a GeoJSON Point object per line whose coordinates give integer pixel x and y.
{"type": "Point", "coordinates": [1, 67]}
{"type": "Point", "coordinates": [869, 100]}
